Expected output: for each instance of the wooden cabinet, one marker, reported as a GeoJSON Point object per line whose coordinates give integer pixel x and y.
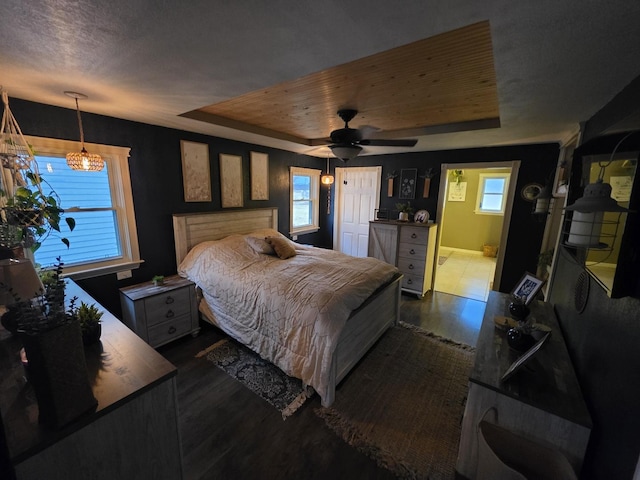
{"type": "Point", "coordinates": [408, 246]}
{"type": "Point", "coordinates": [160, 314]}
{"type": "Point", "coordinates": [541, 402]}
{"type": "Point", "coordinates": [134, 432]}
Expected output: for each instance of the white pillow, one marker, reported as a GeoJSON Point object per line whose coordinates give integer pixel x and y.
{"type": "Point", "coordinates": [260, 245]}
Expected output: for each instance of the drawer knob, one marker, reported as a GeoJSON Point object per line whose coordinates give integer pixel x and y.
{"type": "Point", "coordinates": [171, 330]}
{"type": "Point", "coordinates": [409, 281]}
{"type": "Point", "coordinates": [411, 266]}
{"type": "Point", "coordinates": [169, 300]}
{"type": "Point", "coordinates": [412, 251]}
{"type": "Point", "coordinates": [413, 235]}
{"type": "Point", "coordinates": [169, 314]}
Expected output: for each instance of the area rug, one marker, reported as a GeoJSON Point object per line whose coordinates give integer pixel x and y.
{"type": "Point", "coordinates": [403, 404]}
{"type": "Point", "coordinates": [261, 377]}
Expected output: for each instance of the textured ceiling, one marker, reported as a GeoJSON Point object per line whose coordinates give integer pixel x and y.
{"type": "Point", "coordinates": [555, 63]}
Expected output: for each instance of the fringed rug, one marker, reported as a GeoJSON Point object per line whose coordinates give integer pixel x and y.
{"type": "Point", "coordinates": [403, 404]}
{"type": "Point", "coordinates": [261, 377]}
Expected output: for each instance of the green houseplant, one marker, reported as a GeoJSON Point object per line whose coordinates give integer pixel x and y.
{"type": "Point", "coordinates": [33, 212]}
{"type": "Point", "coordinates": [89, 318]}
{"type": "Point", "coordinates": [404, 210]}
{"type": "Point", "coordinates": [56, 365]}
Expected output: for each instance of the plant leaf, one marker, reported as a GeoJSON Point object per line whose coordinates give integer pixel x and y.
{"type": "Point", "coordinates": [65, 241]}
{"type": "Point", "coordinates": [71, 222]}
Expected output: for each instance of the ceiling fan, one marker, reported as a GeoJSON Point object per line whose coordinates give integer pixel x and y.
{"type": "Point", "coordinates": [346, 142]}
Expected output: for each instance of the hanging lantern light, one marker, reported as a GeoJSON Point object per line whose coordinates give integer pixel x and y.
{"type": "Point", "coordinates": [327, 178]}
{"type": "Point", "coordinates": [83, 160]}
{"type": "Point", "coordinates": [589, 212]}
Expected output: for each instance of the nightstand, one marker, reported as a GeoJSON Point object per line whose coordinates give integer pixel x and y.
{"type": "Point", "coordinates": [160, 314]}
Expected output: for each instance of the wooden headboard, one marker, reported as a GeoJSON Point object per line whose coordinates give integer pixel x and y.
{"type": "Point", "coordinates": [189, 229]}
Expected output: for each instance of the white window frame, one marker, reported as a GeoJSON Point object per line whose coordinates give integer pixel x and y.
{"type": "Point", "coordinates": [481, 183]}
{"type": "Point", "coordinates": [314, 198]}
{"type": "Point", "coordinates": [117, 159]}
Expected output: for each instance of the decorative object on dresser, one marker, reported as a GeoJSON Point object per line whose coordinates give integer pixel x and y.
{"type": "Point", "coordinates": [410, 247]}
{"type": "Point", "coordinates": [404, 210]}
{"type": "Point", "coordinates": [55, 360]}
{"type": "Point", "coordinates": [161, 313]}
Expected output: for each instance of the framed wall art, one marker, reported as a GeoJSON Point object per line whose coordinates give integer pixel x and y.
{"type": "Point", "coordinates": [231, 180]}
{"type": "Point", "coordinates": [196, 177]}
{"type": "Point", "coordinates": [259, 176]}
{"type": "Point", "coordinates": [408, 177]}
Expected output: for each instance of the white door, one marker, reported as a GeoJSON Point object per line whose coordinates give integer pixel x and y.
{"type": "Point", "coordinates": [357, 197]}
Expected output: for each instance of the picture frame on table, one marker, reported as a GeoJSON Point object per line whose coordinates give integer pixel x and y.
{"type": "Point", "coordinates": [528, 287]}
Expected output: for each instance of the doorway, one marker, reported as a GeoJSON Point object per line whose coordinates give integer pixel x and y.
{"type": "Point", "coordinates": [474, 208]}
{"type": "Point", "coordinates": [357, 197]}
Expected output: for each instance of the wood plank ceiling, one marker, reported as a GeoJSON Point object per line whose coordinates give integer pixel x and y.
{"type": "Point", "coordinates": [436, 85]}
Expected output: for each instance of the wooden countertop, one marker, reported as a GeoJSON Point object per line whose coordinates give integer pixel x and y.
{"type": "Point", "coordinates": [121, 367]}
{"type": "Point", "coordinates": [547, 381]}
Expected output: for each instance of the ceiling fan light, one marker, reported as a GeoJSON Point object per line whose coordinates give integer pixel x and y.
{"type": "Point", "coordinates": [85, 161]}
{"type": "Point", "coordinates": [345, 152]}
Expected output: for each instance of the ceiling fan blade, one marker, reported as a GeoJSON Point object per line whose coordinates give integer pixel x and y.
{"type": "Point", "coordinates": [389, 143]}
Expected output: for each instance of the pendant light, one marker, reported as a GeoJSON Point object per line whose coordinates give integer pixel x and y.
{"type": "Point", "coordinates": [327, 179]}
{"type": "Point", "coordinates": [589, 210]}
{"type": "Point", "coordinates": [83, 160]}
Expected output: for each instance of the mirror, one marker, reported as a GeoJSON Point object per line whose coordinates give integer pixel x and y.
{"type": "Point", "coordinates": [619, 172]}
{"type": "Point", "coordinates": [531, 191]}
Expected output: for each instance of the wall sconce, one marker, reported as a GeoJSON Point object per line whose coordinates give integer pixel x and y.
{"type": "Point", "coordinates": [83, 160]}
{"type": "Point", "coordinates": [588, 212]}
{"type": "Point", "coordinates": [327, 179]}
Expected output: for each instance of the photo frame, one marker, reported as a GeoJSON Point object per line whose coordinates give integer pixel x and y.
{"type": "Point", "coordinates": [259, 176]}
{"type": "Point", "coordinates": [196, 175]}
{"type": "Point", "coordinates": [408, 178]}
{"type": "Point", "coordinates": [231, 180]}
{"type": "Point", "coordinates": [528, 287]}
{"type": "Point", "coordinates": [526, 356]}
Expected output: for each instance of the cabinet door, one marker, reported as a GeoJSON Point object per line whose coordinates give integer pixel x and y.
{"type": "Point", "coordinates": [383, 242]}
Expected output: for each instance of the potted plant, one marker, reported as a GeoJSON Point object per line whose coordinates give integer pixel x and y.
{"type": "Point", "coordinates": [158, 280]}
{"type": "Point", "coordinates": [89, 318]}
{"type": "Point", "coordinates": [56, 364]}
{"type": "Point", "coordinates": [404, 210]}
{"type": "Point", "coordinates": [33, 212]}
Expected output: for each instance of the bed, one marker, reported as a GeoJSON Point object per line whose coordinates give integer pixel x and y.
{"type": "Point", "coordinates": [242, 305]}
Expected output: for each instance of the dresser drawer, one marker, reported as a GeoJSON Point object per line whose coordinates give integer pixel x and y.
{"type": "Point", "coordinates": [409, 250]}
{"type": "Point", "coordinates": [412, 282]}
{"type": "Point", "coordinates": [168, 330]}
{"type": "Point", "coordinates": [166, 306]}
{"type": "Point", "coordinates": [414, 266]}
{"type": "Point", "coordinates": [418, 235]}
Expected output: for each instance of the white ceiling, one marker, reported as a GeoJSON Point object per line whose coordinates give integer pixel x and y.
{"type": "Point", "coordinates": [557, 62]}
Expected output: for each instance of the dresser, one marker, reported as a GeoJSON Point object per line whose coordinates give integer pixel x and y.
{"type": "Point", "coordinates": [161, 313]}
{"type": "Point", "coordinates": [541, 402]}
{"type": "Point", "coordinates": [410, 247]}
{"type": "Point", "coordinates": [134, 431]}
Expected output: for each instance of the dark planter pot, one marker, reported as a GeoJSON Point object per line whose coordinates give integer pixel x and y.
{"type": "Point", "coordinates": [91, 335]}
{"type": "Point", "coordinates": [57, 370]}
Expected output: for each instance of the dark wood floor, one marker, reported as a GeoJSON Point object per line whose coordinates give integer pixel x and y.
{"type": "Point", "coordinates": [229, 432]}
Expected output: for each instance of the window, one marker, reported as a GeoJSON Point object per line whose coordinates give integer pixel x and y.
{"type": "Point", "coordinates": [305, 191]}
{"type": "Point", "coordinates": [105, 238]}
{"type": "Point", "coordinates": [492, 190]}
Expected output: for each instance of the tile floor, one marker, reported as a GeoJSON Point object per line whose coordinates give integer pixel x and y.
{"type": "Point", "coordinates": [465, 273]}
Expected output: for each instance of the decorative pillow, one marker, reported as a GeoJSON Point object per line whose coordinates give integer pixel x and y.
{"type": "Point", "coordinates": [260, 245]}
{"type": "Point", "coordinates": [283, 247]}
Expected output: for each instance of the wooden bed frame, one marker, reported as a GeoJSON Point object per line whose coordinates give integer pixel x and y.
{"type": "Point", "coordinates": [365, 325]}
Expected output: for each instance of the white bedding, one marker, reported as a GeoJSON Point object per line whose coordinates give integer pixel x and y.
{"type": "Point", "coordinates": [289, 311]}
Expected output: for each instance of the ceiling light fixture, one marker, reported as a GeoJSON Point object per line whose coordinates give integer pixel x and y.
{"type": "Point", "coordinates": [83, 160]}
{"type": "Point", "coordinates": [327, 178]}
{"type": "Point", "coordinates": [345, 152]}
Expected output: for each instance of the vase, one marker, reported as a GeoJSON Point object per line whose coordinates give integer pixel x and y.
{"type": "Point", "coordinates": [57, 370]}
{"type": "Point", "coordinates": [91, 335]}
{"type": "Point", "coordinates": [518, 310]}
{"type": "Point", "coordinates": [519, 340]}
{"type": "Point", "coordinates": [403, 216]}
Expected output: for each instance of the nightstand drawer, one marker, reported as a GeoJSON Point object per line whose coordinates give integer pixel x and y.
{"type": "Point", "coordinates": [407, 250]}
{"type": "Point", "coordinates": [166, 306]}
{"type": "Point", "coordinates": [167, 331]}
{"type": "Point", "coordinates": [417, 235]}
